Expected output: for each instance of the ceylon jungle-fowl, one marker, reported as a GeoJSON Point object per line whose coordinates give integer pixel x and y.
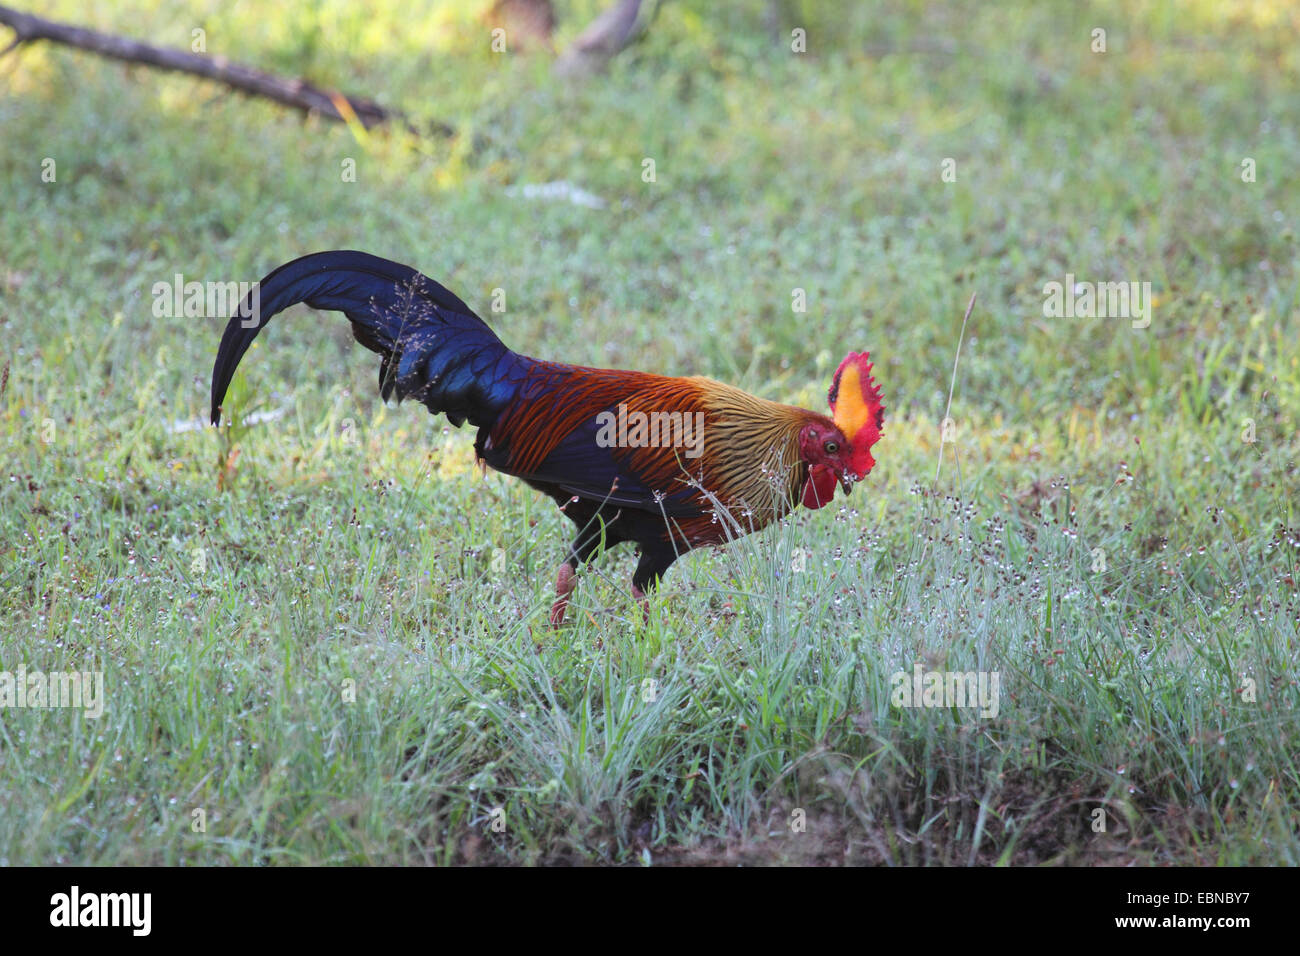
{"type": "Point", "coordinates": [670, 464]}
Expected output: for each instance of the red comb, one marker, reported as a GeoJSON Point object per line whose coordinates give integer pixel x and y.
{"type": "Point", "coordinates": [858, 410]}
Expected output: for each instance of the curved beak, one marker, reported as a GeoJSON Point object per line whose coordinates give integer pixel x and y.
{"type": "Point", "coordinates": [846, 483]}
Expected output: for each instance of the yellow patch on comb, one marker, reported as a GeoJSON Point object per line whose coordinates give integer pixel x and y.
{"type": "Point", "coordinates": [851, 412]}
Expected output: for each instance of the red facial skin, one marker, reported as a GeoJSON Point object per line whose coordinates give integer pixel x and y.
{"type": "Point", "coordinates": [826, 468]}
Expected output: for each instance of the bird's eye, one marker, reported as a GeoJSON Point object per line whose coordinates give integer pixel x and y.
{"type": "Point", "coordinates": [831, 447]}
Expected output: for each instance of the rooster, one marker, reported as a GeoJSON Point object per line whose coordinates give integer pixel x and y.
{"type": "Point", "coordinates": [670, 464]}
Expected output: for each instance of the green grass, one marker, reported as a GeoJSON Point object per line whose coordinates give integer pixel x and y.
{"type": "Point", "coordinates": [326, 657]}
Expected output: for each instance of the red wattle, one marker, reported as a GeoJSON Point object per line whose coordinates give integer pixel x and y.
{"type": "Point", "coordinates": [819, 489]}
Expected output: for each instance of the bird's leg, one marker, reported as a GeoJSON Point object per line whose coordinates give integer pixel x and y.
{"type": "Point", "coordinates": [566, 579]}
{"type": "Point", "coordinates": [654, 562]}
{"type": "Point", "coordinates": [584, 546]}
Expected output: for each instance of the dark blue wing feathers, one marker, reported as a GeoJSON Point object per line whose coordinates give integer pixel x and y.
{"type": "Point", "coordinates": [579, 465]}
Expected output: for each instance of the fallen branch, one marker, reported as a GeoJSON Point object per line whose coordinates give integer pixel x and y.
{"type": "Point", "coordinates": [297, 93]}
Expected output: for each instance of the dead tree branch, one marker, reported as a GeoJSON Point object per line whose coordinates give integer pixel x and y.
{"type": "Point", "coordinates": [297, 93]}
{"type": "Point", "coordinates": [603, 39]}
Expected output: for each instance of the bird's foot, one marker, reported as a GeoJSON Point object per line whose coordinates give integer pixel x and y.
{"type": "Point", "coordinates": [640, 596]}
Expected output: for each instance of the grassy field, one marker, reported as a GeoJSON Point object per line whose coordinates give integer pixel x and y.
{"type": "Point", "coordinates": [322, 632]}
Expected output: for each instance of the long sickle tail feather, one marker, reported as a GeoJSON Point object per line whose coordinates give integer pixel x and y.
{"type": "Point", "coordinates": [433, 345]}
